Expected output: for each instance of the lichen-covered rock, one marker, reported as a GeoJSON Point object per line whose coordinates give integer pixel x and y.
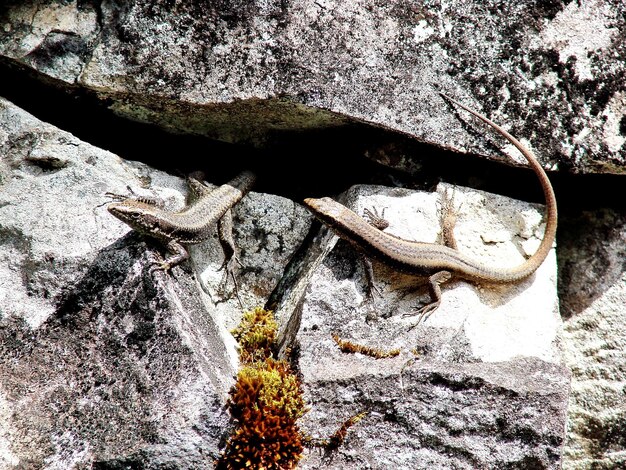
{"type": "Point", "coordinates": [102, 362]}
{"type": "Point", "coordinates": [246, 71]}
{"type": "Point", "coordinates": [485, 369]}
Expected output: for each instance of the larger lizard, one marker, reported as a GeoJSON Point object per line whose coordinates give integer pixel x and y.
{"type": "Point", "coordinates": [439, 262]}
{"type": "Point", "coordinates": [192, 224]}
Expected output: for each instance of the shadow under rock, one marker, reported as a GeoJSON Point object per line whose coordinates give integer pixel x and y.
{"type": "Point", "coordinates": [592, 257]}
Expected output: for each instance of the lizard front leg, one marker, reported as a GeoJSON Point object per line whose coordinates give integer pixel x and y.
{"type": "Point", "coordinates": [372, 290]}
{"type": "Point", "coordinates": [375, 219]}
{"type": "Point", "coordinates": [447, 215]}
{"type": "Point", "coordinates": [225, 236]}
{"type": "Point", "coordinates": [180, 255]}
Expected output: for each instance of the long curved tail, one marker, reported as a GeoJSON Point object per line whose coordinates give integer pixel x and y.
{"type": "Point", "coordinates": [532, 263]}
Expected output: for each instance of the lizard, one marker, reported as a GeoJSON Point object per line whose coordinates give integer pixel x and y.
{"type": "Point", "coordinates": [438, 262]}
{"type": "Point", "coordinates": [193, 224]}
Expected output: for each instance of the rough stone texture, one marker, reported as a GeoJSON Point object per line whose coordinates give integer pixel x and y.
{"type": "Point", "coordinates": [100, 362]}
{"type": "Point", "coordinates": [486, 349]}
{"type": "Point", "coordinates": [550, 72]}
{"type": "Point", "coordinates": [125, 370]}
{"type": "Point", "coordinates": [246, 71]}
{"type": "Point", "coordinates": [593, 301]}
{"type": "Point", "coordinates": [596, 353]}
{"type": "Point", "coordinates": [441, 415]}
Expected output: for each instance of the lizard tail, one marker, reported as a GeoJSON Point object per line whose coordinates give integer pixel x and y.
{"type": "Point", "coordinates": [532, 263]}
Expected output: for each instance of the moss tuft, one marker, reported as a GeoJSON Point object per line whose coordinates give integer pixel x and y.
{"type": "Point", "coordinates": [265, 402]}
{"type": "Point", "coordinates": [256, 334]}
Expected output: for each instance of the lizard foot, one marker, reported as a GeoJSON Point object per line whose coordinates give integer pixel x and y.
{"type": "Point", "coordinates": [423, 312]}
{"type": "Point", "coordinates": [374, 291]}
{"type": "Point", "coordinates": [160, 266]}
{"type": "Point", "coordinates": [229, 272]}
{"type": "Point", "coordinates": [375, 219]}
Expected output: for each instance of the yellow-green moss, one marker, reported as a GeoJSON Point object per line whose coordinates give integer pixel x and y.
{"type": "Point", "coordinates": [265, 403]}
{"type": "Point", "coordinates": [256, 334]}
{"type": "Point", "coordinates": [280, 388]}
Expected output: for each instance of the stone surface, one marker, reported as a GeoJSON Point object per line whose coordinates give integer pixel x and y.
{"type": "Point", "coordinates": [440, 415]}
{"type": "Point", "coordinates": [596, 240]}
{"type": "Point", "coordinates": [102, 363]}
{"type": "Point", "coordinates": [499, 322]}
{"type": "Point", "coordinates": [593, 273]}
{"type": "Point", "coordinates": [486, 349]}
{"type": "Point", "coordinates": [595, 351]}
{"type": "Point", "coordinates": [247, 72]}
{"type": "Point", "coordinates": [550, 72]}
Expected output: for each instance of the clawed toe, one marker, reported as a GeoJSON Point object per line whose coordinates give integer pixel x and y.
{"type": "Point", "coordinates": [423, 312]}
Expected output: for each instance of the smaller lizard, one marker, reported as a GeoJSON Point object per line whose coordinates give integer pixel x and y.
{"type": "Point", "coordinates": [439, 263]}
{"type": "Point", "coordinates": [193, 224]}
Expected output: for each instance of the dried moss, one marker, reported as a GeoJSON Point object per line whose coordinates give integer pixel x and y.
{"type": "Point", "coordinates": [350, 347]}
{"type": "Point", "coordinates": [265, 402]}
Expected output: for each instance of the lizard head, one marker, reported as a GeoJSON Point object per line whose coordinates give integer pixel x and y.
{"type": "Point", "coordinates": [343, 221]}
{"type": "Point", "coordinates": [325, 209]}
{"type": "Point", "coordinates": [137, 214]}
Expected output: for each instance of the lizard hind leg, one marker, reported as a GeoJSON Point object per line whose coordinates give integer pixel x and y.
{"type": "Point", "coordinates": [448, 213]}
{"type": "Point", "coordinates": [434, 287]}
{"type": "Point", "coordinates": [225, 236]}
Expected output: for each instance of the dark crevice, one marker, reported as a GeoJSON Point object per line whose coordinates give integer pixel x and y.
{"type": "Point", "coordinates": [299, 164]}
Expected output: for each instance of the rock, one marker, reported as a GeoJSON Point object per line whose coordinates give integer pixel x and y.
{"type": "Point", "coordinates": [103, 363]}
{"type": "Point", "coordinates": [479, 346]}
{"type": "Point", "coordinates": [249, 72]}
{"type": "Point", "coordinates": [84, 380]}
{"type": "Point", "coordinates": [595, 344]}
{"type": "Point", "coordinates": [442, 415]}
{"type": "Point", "coordinates": [499, 322]}
{"type": "Point", "coordinates": [593, 294]}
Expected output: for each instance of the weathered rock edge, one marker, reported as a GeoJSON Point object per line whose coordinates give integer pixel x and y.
{"type": "Point", "coordinates": [102, 362]}
{"type": "Point", "coordinates": [242, 72]}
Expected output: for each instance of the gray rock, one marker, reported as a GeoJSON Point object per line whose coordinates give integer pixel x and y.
{"type": "Point", "coordinates": [248, 71]}
{"type": "Point", "coordinates": [100, 361]}
{"type": "Point", "coordinates": [593, 274]}
{"type": "Point", "coordinates": [83, 380]}
{"type": "Point", "coordinates": [483, 350]}
{"type": "Point", "coordinates": [442, 415]}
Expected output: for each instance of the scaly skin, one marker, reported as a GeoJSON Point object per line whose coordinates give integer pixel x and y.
{"type": "Point", "coordinates": [190, 225]}
{"type": "Point", "coordinates": [440, 262]}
